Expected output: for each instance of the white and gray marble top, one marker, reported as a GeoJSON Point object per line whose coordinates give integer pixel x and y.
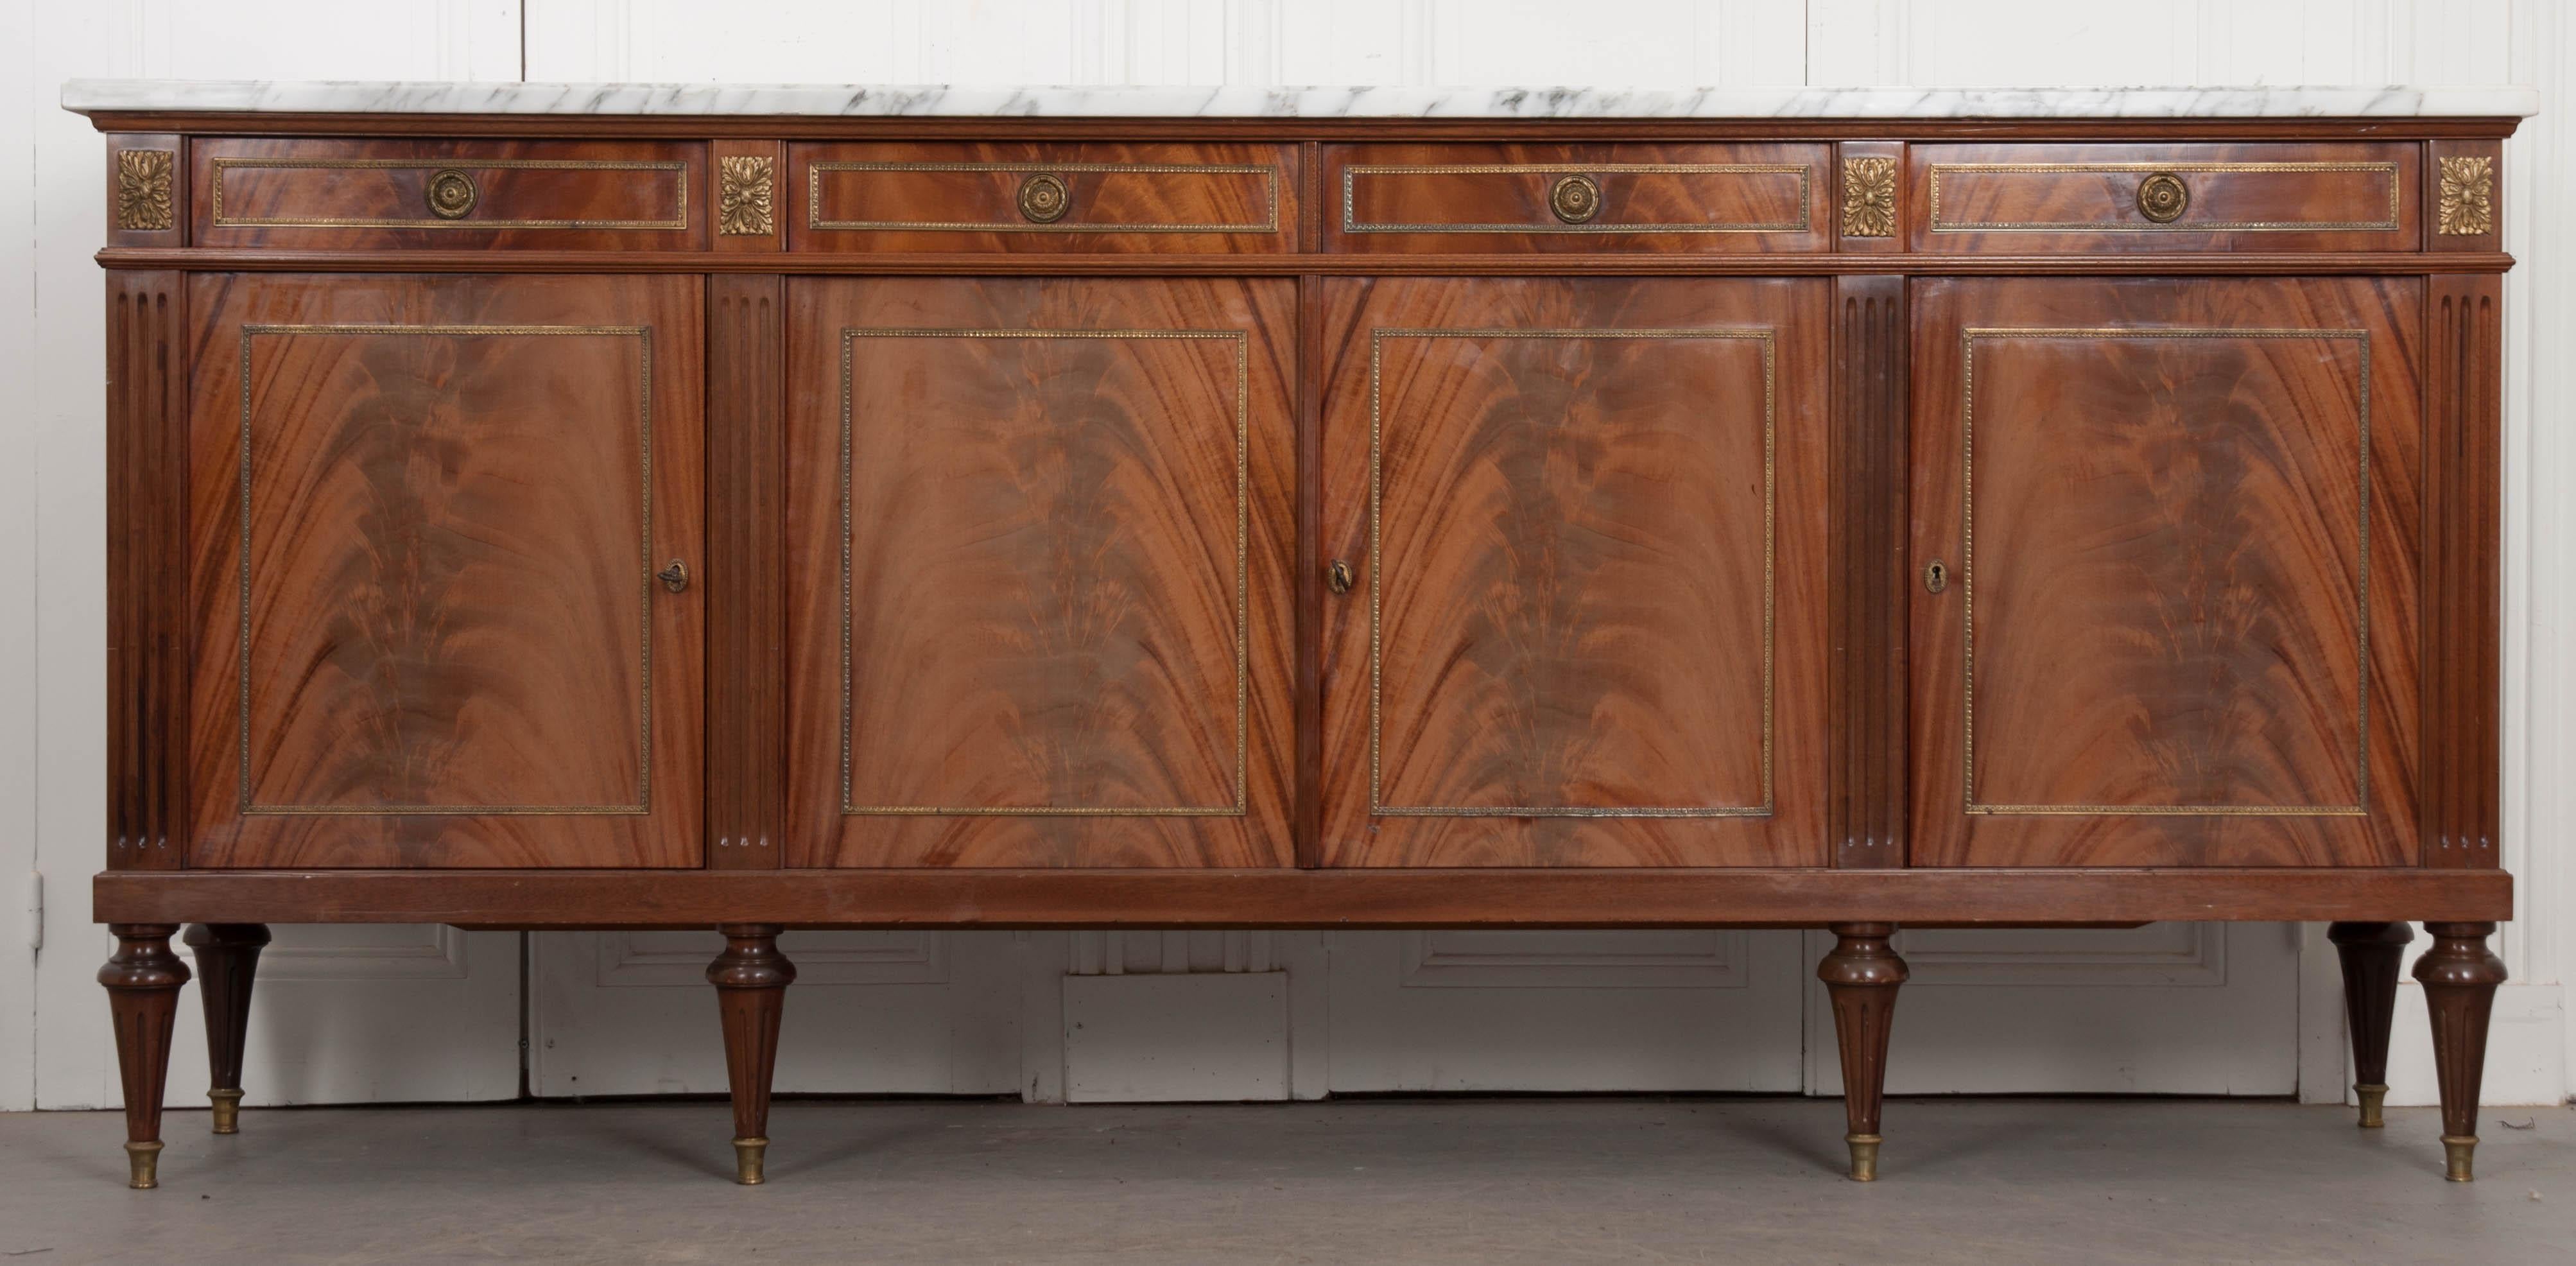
{"type": "Point", "coordinates": [86, 96]}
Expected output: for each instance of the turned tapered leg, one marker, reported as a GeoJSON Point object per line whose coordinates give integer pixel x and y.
{"type": "Point", "coordinates": [143, 979]}
{"type": "Point", "coordinates": [2370, 953]}
{"type": "Point", "coordinates": [1862, 974]}
{"type": "Point", "coordinates": [751, 979]}
{"type": "Point", "coordinates": [227, 957]}
{"type": "Point", "coordinates": [2459, 977]}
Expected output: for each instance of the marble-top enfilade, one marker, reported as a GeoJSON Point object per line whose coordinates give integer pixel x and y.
{"type": "Point", "coordinates": [87, 96]}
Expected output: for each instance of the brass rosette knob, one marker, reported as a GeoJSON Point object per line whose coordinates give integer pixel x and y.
{"type": "Point", "coordinates": [451, 194]}
{"type": "Point", "coordinates": [2162, 197]}
{"type": "Point", "coordinates": [1575, 199]}
{"type": "Point", "coordinates": [1044, 199]}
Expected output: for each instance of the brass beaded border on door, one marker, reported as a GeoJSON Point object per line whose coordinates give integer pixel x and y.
{"type": "Point", "coordinates": [644, 743]}
{"type": "Point", "coordinates": [1968, 578]}
{"type": "Point", "coordinates": [680, 219]}
{"type": "Point", "coordinates": [1352, 224]}
{"type": "Point", "coordinates": [814, 220]}
{"type": "Point", "coordinates": [1242, 340]}
{"type": "Point", "coordinates": [2396, 187]}
{"type": "Point", "coordinates": [1378, 807]}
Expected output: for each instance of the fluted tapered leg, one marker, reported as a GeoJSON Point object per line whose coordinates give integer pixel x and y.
{"type": "Point", "coordinates": [751, 979]}
{"type": "Point", "coordinates": [2459, 976]}
{"type": "Point", "coordinates": [227, 957]}
{"type": "Point", "coordinates": [2370, 953]}
{"type": "Point", "coordinates": [143, 979]}
{"type": "Point", "coordinates": [1861, 975]}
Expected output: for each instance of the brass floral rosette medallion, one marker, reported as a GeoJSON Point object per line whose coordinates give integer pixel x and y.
{"type": "Point", "coordinates": [744, 197]}
{"type": "Point", "coordinates": [2468, 198]}
{"type": "Point", "coordinates": [143, 180]}
{"type": "Point", "coordinates": [1869, 197]}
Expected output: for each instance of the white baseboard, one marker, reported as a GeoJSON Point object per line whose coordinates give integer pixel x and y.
{"type": "Point", "coordinates": [2526, 1049]}
{"type": "Point", "coordinates": [1176, 1037]}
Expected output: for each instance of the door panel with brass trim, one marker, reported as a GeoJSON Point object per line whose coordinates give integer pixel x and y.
{"type": "Point", "coordinates": [447, 195]}
{"type": "Point", "coordinates": [1586, 522]}
{"type": "Point", "coordinates": [1038, 534]}
{"type": "Point", "coordinates": [427, 514]}
{"type": "Point", "coordinates": [2180, 521]}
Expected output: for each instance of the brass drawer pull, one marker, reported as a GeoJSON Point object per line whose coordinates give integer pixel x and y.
{"type": "Point", "coordinates": [1044, 199]}
{"type": "Point", "coordinates": [2162, 197]}
{"type": "Point", "coordinates": [1575, 199]}
{"type": "Point", "coordinates": [451, 194]}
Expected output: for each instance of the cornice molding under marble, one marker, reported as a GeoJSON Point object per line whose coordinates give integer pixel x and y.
{"type": "Point", "coordinates": [89, 96]}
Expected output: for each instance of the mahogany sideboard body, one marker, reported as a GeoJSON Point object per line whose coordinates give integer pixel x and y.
{"type": "Point", "coordinates": [578, 521]}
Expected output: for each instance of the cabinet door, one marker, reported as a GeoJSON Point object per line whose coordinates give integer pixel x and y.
{"type": "Point", "coordinates": [427, 515]}
{"type": "Point", "coordinates": [1584, 525]}
{"type": "Point", "coordinates": [2177, 523]}
{"type": "Point", "coordinates": [1037, 542]}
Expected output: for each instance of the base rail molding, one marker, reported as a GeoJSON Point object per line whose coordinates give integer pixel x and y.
{"type": "Point", "coordinates": [579, 900]}
{"type": "Point", "coordinates": [561, 510]}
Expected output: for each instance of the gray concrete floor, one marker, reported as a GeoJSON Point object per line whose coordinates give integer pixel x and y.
{"type": "Point", "coordinates": [1554, 1181]}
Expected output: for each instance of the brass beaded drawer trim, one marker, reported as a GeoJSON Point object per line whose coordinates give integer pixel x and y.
{"type": "Point", "coordinates": [1769, 340]}
{"type": "Point", "coordinates": [815, 172]}
{"type": "Point", "coordinates": [222, 220]}
{"type": "Point", "coordinates": [1968, 580]}
{"type": "Point", "coordinates": [2396, 187]}
{"type": "Point", "coordinates": [1351, 222]}
{"type": "Point", "coordinates": [644, 739]}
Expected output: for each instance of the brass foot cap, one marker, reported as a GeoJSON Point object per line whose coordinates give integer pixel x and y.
{"type": "Point", "coordinates": [144, 1162]}
{"type": "Point", "coordinates": [1864, 1156]}
{"type": "Point", "coordinates": [227, 1110]}
{"type": "Point", "coordinates": [2458, 1150]}
{"type": "Point", "coordinates": [2373, 1098]}
{"type": "Point", "coordinates": [747, 1158]}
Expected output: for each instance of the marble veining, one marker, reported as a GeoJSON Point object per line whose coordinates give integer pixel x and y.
{"type": "Point", "coordinates": [86, 96]}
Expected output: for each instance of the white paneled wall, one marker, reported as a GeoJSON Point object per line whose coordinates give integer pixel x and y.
{"type": "Point", "coordinates": [2050, 43]}
{"type": "Point", "coordinates": [424, 1036]}
{"type": "Point", "coordinates": [446, 1007]}
{"type": "Point", "coordinates": [22, 70]}
{"type": "Point", "coordinates": [1641, 42]}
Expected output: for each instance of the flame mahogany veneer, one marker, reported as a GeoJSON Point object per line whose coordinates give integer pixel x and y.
{"type": "Point", "coordinates": [617, 522]}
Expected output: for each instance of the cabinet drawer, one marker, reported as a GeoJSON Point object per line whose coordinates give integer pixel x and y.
{"type": "Point", "coordinates": [1105, 198]}
{"type": "Point", "coordinates": [1671, 199]}
{"type": "Point", "coordinates": [2046, 198]}
{"type": "Point", "coordinates": [561, 195]}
